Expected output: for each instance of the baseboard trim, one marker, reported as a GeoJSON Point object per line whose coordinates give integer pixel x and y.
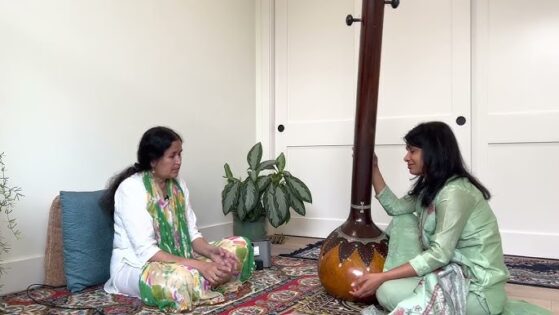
{"type": "Point", "coordinates": [216, 232]}
{"type": "Point", "coordinates": [531, 244]}
{"type": "Point", "coordinates": [313, 227]}
{"type": "Point", "coordinates": [20, 273]}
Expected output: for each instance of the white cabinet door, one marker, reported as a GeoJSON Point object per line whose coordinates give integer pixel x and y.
{"type": "Point", "coordinates": [516, 135]}
{"type": "Point", "coordinates": [425, 75]}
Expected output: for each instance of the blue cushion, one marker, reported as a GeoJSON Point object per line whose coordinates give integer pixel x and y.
{"type": "Point", "coordinates": [87, 236]}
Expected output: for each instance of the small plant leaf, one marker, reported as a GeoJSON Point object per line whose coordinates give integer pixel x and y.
{"type": "Point", "coordinates": [228, 172]}
{"type": "Point", "coordinates": [268, 202]}
{"type": "Point", "coordinates": [229, 196]}
{"type": "Point", "coordinates": [241, 211]}
{"type": "Point", "coordinates": [299, 188]}
{"type": "Point", "coordinates": [279, 213]}
{"type": "Point", "coordinates": [282, 198]}
{"type": "Point", "coordinates": [262, 182]}
{"type": "Point", "coordinates": [266, 165]}
{"type": "Point", "coordinates": [256, 213]}
{"type": "Point", "coordinates": [253, 175]}
{"type": "Point", "coordinates": [287, 217]}
{"type": "Point", "coordinates": [295, 202]}
{"type": "Point", "coordinates": [254, 156]}
{"type": "Point", "coordinates": [280, 162]}
{"type": "Point", "coordinates": [249, 195]}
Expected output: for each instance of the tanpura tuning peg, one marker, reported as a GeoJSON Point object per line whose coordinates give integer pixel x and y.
{"type": "Point", "coordinates": [393, 3]}
{"type": "Point", "coordinates": [349, 19]}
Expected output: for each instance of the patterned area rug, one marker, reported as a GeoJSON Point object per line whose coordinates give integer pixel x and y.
{"type": "Point", "coordinates": [539, 272]}
{"type": "Point", "coordinates": [290, 286]}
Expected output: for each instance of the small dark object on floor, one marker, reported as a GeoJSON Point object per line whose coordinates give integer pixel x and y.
{"type": "Point", "coordinates": [277, 238]}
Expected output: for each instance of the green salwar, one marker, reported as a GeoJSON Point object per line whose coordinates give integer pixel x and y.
{"type": "Point", "coordinates": [174, 287]}
{"type": "Point", "coordinates": [403, 246]}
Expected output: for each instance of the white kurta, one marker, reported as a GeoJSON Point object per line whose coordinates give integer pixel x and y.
{"type": "Point", "coordinates": [134, 240]}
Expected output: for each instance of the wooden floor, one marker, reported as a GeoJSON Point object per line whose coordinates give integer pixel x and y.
{"type": "Point", "coordinates": [547, 298]}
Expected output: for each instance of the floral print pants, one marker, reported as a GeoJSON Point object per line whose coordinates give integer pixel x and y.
{"type": "Point", "coordinates": [174, 287]}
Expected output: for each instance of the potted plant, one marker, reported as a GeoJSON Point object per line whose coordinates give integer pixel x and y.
{"type": "Point", "coordinates": [8, 197]}
{"type": "Point", "coordinates": [269, 191]}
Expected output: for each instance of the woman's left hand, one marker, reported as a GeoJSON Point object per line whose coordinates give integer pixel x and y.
{"type": "Point", "coordinates": [367, 284]}
{"type": "Point", "coordinates": [225, 258]}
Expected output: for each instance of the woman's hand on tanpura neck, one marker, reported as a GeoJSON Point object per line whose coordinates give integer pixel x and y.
{"type": "Point", "coordinates": [378, 180]}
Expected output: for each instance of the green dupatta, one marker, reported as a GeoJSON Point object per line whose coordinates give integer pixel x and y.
{"type": "Point", "coordinates": [169, 216]}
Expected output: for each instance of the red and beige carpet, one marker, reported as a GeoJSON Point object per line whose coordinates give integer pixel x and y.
{"type": "Point", "coordinates": [290, 286]}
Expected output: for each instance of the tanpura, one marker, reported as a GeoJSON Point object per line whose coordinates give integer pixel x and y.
{"type": "Point", "coordinates": [358, 246]}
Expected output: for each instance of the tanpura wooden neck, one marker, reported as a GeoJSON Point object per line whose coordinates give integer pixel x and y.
{"type": "Point", "coordinates": [360, 224]}
{"type": "Point", "coordinates": [359, 221]}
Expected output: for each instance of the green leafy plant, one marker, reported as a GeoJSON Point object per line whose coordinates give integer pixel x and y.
{"type": "Point", "coordinates": [8, 197]}
{"type": "Point", "coordinates": [268, 190]}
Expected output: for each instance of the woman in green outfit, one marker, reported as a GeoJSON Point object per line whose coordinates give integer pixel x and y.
{"type": "Point", "coordinates": [445, 254]}
{"type": "Point", "coordinates": [158, 253]}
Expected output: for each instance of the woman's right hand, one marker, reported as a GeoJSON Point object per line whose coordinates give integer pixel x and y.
{"type": "Point", "coordinates": [378, 181]}
{"type": "Point", "coordinates": [374, 166]}
{"type": "Point", "coordinates": [375, 160]}
{"type": "Point", "coordinates": [215, 273]}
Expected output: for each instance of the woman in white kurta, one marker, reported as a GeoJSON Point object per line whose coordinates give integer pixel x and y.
{"type": "Point", "coordinates": [158, 253]}
{"type": "Point", "coordinates": [134, 241]}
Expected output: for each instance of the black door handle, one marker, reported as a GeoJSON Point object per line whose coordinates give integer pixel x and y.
{"type": "Point", "coordinates": [281, 128]}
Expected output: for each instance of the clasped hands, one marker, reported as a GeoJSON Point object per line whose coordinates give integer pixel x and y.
{"type": "Point", "coordinates": [223, 266]}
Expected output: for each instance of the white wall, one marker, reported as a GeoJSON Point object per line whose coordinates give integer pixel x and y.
{"type": "Point", "coordinates": [515, 110]}
{"type": "Point", "coordinates": [81, 81]}
{"type": "Point", "coordinates": [491, 61]}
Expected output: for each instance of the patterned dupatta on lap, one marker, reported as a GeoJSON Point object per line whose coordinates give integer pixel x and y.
{"type": "Point", "coordinates": [169, 217]}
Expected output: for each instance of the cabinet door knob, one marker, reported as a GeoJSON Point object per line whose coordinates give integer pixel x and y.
{"type": "Point", "coordinates": [460, 120]}
{"type": "Point", "coordinates": [281, 128]}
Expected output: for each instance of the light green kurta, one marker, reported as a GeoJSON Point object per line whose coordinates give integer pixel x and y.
{"type": "Point", "coordinates": [458, 227]}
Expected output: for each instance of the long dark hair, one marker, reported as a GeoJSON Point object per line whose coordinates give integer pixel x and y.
{"type": "Point", "coordinates": [441, 160]}
{"type": "Point", "coordinates": [153, 145]}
